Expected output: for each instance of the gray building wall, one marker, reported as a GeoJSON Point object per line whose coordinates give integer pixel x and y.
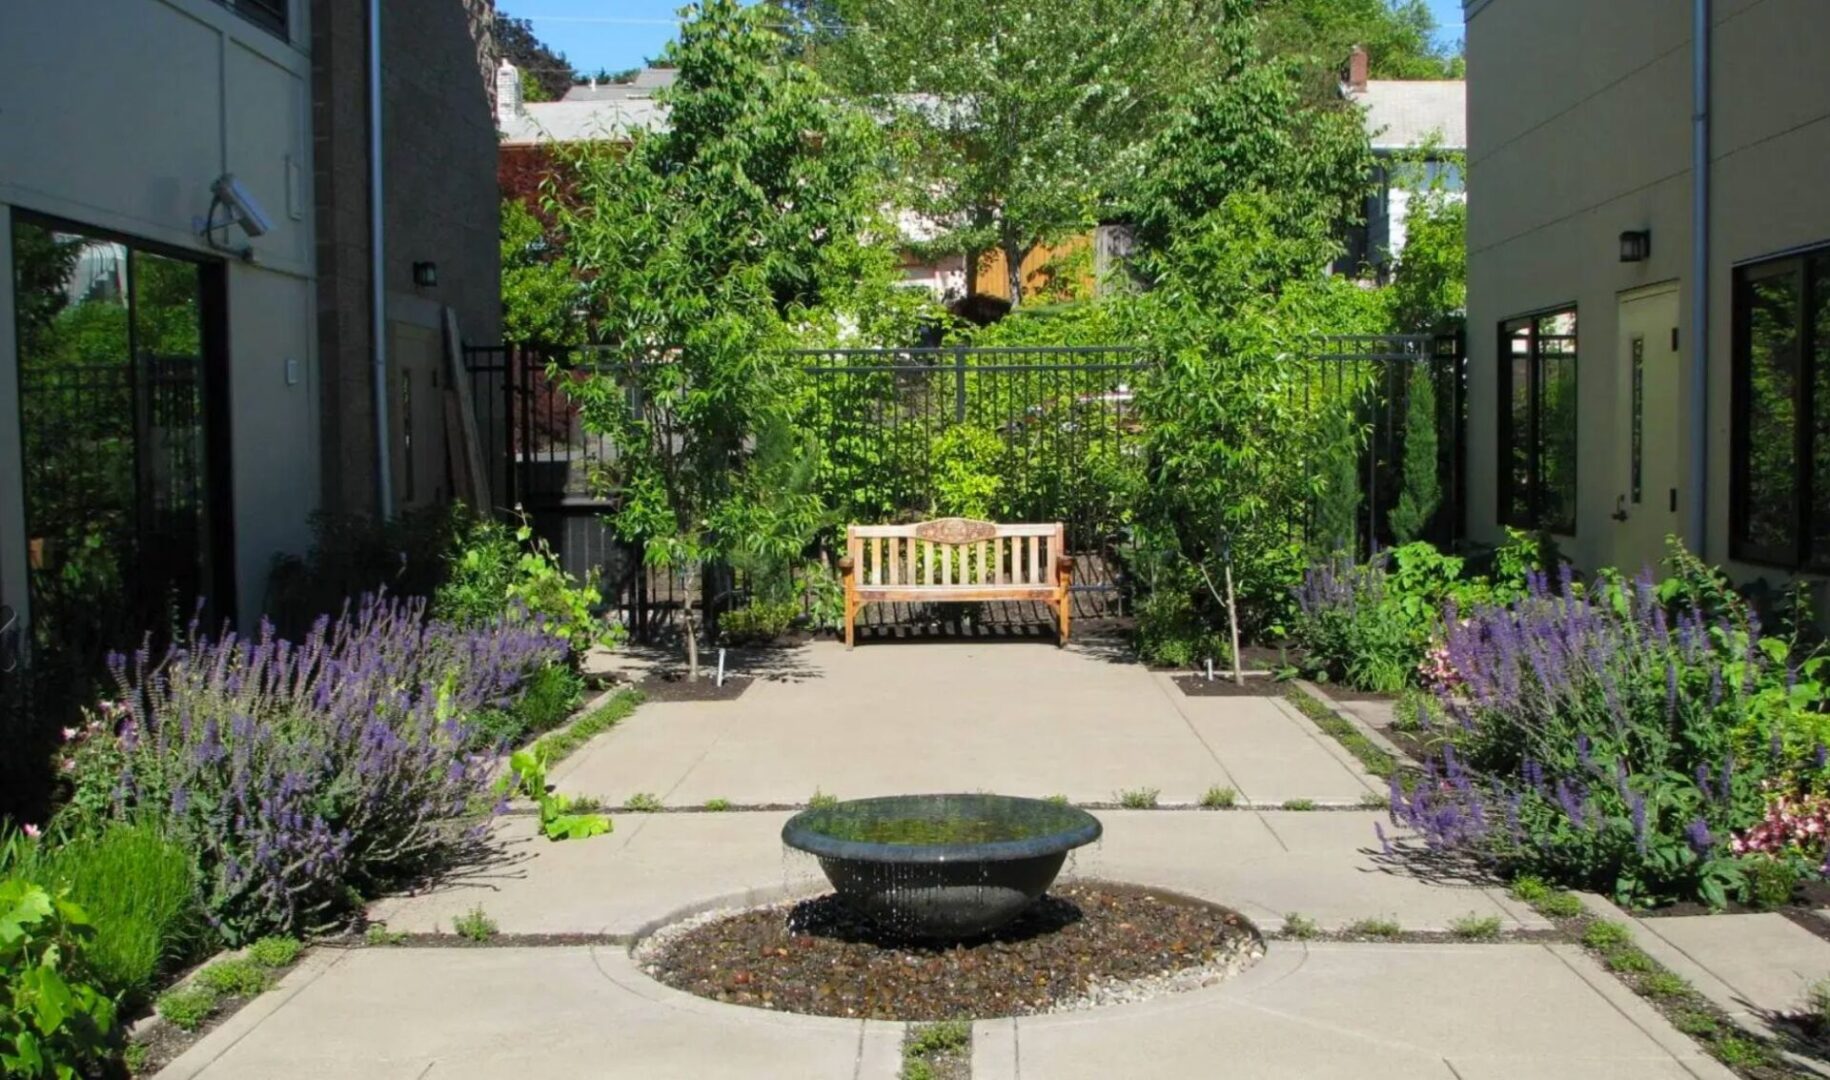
{"type": "Point", "coordinates": [119, 117]}
{"type": "Point", "coordinates": [1580, 129]}
{"type": "Point", "coordinates": [122, 113]}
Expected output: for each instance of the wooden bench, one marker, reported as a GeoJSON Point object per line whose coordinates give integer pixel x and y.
{"type": "Point", "coordinates": [955, 559]}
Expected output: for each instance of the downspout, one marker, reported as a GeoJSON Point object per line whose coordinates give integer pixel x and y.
{"type": "Point", "coordinates": [378, 286]}
{"type": "Point", "coordinates": [1697, 526]}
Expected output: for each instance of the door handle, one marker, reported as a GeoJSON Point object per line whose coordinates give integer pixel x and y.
{"type": "Point", "coordinates": [1620, 509]}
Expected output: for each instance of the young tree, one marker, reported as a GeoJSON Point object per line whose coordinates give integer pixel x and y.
{"type": "Point", "coordinates": [1014, 122]}
{"type": "Point", "coordinates": [1420, 491]}
{"type": "Point", "coordinates": [706, 248]}
{"type": "Point", "coordinates": [1398, 35]}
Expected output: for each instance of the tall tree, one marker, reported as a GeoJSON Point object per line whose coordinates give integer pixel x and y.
{"type": "Point", "coordinates": [706, 248]}
{"type": "Point", "coordinates": [1014, 122]}
{"type": "Point", "coordinates": [1398, 35]}
{"type": "Point", "coordinates": [545, 74]}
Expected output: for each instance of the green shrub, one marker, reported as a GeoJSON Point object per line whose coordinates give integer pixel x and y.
{"type": "Point", "coordinates": [1220, 798]}
{"type": "Point", "coordinates": [55, 1021]}
{"type": "Point", "coordinates": [139, 887]}
{"type": "Point", "coordinates": [1375, 928]}
{"type": "Point", "coordinates": [1473, 927]}
{"type": "Point", "coordinates": [1770, 881]}
{"type": "Point", "coordinates": [475, 925]}
{"type": "Point", "coordinates": [1369, 625]}
{"type": "Point", "coordinates": [544, 700]}
{"type": "Point", "coordinates": [274, 952]}
{"type": "Point", "coordinates": [759, 622]}
{"type": "Point", "coordinates": [1300, 927]}
{"type": "Point", "coordinates": [497, 572]}
{"type": "Point", "coordinates": [187, 1007]}
{"type": "Point", "coordinates": [1171, 633]}
{"type": "Point", "coordinates": [352, 555]}
{"type": "Point", "coordinates": [1607, 936]}
{"type": "Point", "coordinates": [234, 978]}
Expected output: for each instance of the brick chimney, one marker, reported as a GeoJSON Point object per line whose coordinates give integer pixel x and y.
{"type": "Point", "coordinates": [1357, 66]}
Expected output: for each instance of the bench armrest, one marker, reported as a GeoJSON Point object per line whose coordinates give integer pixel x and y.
{"type": "Point", "coordinates": [1064, 566]}
{"type": "Point", "coordinates": [846, 566]}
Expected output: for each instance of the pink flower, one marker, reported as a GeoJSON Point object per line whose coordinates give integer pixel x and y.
{"type": "Point", "coordinates": [70, 733]}
{"type": "Point", "coordinates": [31, 830]}
{"type": "Point", "coordinates": [68, 764]}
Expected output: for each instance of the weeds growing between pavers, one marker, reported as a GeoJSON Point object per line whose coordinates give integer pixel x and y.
{"type": "Point", "coordinates": [475, 925]}
{"type": "Point", "coordinates": [1374, 757]}
{"type": "Point", "coordinates": [1219, 798]}
{"type": "Point", "coordinates": [937, 1051]}
{"type": "Point", "coordinates": [1473, 927]}
{"type": "Point", "coordinates": [1137, 798]}
{"type": "Point", "coordinates": [1300, 927]}
{"type": "Point", "coordinates": [1751, 1056]}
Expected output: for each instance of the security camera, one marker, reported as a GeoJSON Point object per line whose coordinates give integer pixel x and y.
{"type": "Point", "coordinates": [243, 208]}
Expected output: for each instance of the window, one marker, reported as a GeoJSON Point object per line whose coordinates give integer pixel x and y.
{"type": "Point", "coordinates": [1537, 422]}
{"type": "Point", "coordinates": [266, 14]}
{"type": "Point", "coordinates": [122, 389]}
{"type": "Point", "coordinates": [1781, 433]}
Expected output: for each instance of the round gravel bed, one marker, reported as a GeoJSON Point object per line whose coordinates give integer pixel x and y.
{"type": "Point", "coordinates": [1081, 946]}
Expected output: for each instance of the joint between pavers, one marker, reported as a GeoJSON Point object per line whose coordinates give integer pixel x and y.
{"type": "Point", "coordinates": [1170, 694]}
{"type": "Point", "coordinates": [1618, 995]}
{"type": "Point", "coordinates": [1332, 746]}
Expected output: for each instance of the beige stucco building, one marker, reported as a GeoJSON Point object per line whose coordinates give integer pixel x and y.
{"type": "Point", "coordinates": [1600, 406]}
{"type": "Point", "coordinates": [186, 365]}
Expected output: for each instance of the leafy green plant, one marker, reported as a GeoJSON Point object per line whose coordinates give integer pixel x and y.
{"type": "Point", "coordinates": [377, 934]}
{"type": "Point", "coordinates": [1137, 798]}
{"type": "Point", "coordinates": [1664, 984]}
{"type": "Point", "coordinates": [138, 886]}
{"type": "Point", "coordinates": [186, 1008]}
{"type": "Point", "coordinates": [234, 978]}
{"type": "Point", "coordinates": [556, 746]}
{"type": "Point", "coordinates": [1560, 905]}
{"type": "Point", "coordinates": [1300, 927]}
{"type": "Point", "coordinates": [1770, 881]}
{"type": "Point", "coordinates": [1472, 927]}
{"type": "Point", "coordinates": [643, 802]}
{"type": "Point", "coordinates": [759, 622]}
{"type": "Point", "coordinates": [1376, 927]}
{"type": "Point", "coordinates": [927, 1043]}
{"type": "Point", "coordinates": [1530, 889]}
{"type": "Point", "coordinates": [1055, 800]}
{"type": "Point", "coordinates": [475, 925]}
{"type": "Point", "coordinates": [717, 805]}
{"type": "Point", "coordinates": [1630, 960]}
{"type": "Point", "coordinates": [54, 1020]}
{"type": "Point", "coordinates": [1299, 804]}
{"type": "Point", "coordinates": [499, 572]}
{"type": "Point", "coordinates": [559, 818]}
{"type": "Point", "coordinates": [1739, 1052]}
{"type": "Point", "coordinates": [1605, 937]}
{"type": "Point", "coordinates": [543, 701]}
{"type": "Point", "coordinates": [1220, 798]}
{"type": "Point", "coordinates": [1421, 491]}
{"type": "Point", "coordinates": [819, 799]}
{"type": "Point", "coordinates": [275, 952]}
{"type": "Point", "coordinates": [1696, 1024]}
{"type": "Point", "coordinates": [1817, 1004]}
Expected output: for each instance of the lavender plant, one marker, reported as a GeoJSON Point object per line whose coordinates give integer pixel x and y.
{"type": "Point", "coordinates": [307, 775]}
{"type": "Point", "coordinates": [1599, 740]}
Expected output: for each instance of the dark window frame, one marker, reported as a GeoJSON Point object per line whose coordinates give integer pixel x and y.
{"type": "Point", "coordinates": [1534, 514]}
{"type": "Point", "coordinates": [1800, 265]}
{"type": "Point", "coordinates": [273, 16]}
{"type": "Point", "coordinates": [219, 477]}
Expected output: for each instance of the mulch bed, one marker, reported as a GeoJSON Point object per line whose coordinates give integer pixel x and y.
{"type": "Point", "coordinates": [1224, 686]}
{"type": "Point", "coordinates": [1808, 899]}
{"type": "Point", "coordinates": [673, 686]}
{"type": "Point", "coordinates": [818, 957]}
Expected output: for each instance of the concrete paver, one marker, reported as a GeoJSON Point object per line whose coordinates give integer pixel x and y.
{"type": "Point", "coordinates": [1361, 1011]}
{"type": "Point", "coordinates": [446, 1014]}
{"type": "Point", "coordinates": [1765, 961]}
{"type": "Point", "coordinates": [1018, 717]}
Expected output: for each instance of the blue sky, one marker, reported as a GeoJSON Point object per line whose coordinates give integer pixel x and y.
{"type": "Point", "coordinates": [617, 34]}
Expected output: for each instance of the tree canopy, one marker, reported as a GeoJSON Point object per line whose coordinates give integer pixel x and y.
{"type": "Point", "coordinates": [545, 74]}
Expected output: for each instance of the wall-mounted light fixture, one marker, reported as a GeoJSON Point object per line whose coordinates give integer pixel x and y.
{"type": "Point", "coordinates": [1635, 246]}
{"type": "Point", "coordinates": [425, 274]}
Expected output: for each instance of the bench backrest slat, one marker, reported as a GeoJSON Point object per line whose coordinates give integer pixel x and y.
{"type": "Point", "coordinates": [941, 553]}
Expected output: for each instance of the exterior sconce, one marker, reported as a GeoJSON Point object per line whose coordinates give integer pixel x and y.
{"type": "Point", "coordinates": [1635, 246]}
{"type": "Point", "coordinates": [425, 274]}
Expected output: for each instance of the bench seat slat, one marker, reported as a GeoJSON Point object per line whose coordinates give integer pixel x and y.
{"type": "Point", "coordinates": [945, 593]}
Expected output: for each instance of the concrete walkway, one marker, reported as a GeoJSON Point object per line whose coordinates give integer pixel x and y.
{"type": "Point", "coordinates": [1018, 717]}
{"type": "Point", "coordinates": [1022, 718]}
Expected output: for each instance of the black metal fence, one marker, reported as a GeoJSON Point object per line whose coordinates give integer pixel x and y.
{"type": "Point", "coordinates": [1021, 433]}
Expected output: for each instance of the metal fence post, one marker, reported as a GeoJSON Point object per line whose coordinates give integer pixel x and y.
{"type": "Point", "coordinates": [959, 385]}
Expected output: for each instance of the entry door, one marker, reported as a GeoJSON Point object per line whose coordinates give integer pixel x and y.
{"type": "Point", "coordinates": [1649, 435]}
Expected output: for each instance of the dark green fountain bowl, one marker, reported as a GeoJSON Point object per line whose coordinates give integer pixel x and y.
{"type": "Point", "coordinates": [941, 866]}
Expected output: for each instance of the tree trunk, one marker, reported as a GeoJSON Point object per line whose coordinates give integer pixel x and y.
{"type": "Point", "coordinates": [1232, 619]}
{"type": "Point", "coordinates": [1013, 271]}
{"type": "Point", "coordinates": [691, 627]}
